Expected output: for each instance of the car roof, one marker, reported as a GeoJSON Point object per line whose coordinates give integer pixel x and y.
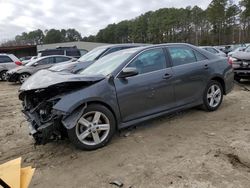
{"type": "Point", "coordinates": [123, 45]}
{"type": "Point", "coordinates": [204, 52]}
{"type": "Point", "coordinates": [166, 44]}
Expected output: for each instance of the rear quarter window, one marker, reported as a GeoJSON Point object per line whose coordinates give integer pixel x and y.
{"type": "Point", "coordinates": [199, 56]}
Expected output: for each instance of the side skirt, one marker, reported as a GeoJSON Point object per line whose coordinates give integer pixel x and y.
{"type": "Point", "coordinates": [137, 121]}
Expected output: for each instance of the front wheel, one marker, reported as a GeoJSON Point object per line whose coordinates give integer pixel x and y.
{"type": "Point", "coordinates": [3, 75]}
{"type": "Point", "coordinates": [94, 129]}
{"type": "Point", "coordinates": [213, 96]}
{"type": "Point", "coordinates": [23, 77]}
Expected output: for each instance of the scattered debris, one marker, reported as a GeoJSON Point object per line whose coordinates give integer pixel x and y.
{"type": "Point", "coordinates": [116, 183]}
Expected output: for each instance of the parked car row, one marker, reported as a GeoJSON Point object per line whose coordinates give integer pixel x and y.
{"type": "Point", "coordinates": [118, 86]}
{"type": "Point", "coordinates": [22, 73]}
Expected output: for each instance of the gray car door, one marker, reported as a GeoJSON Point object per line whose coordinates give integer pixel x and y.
{"type": "Point", "coordinates": [190, 74]}
{"type": "Point", "coordinates": [148, 92]}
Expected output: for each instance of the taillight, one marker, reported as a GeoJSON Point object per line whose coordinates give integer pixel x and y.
{"type": "Point", "coordinates": [230, 61]}
{"type": "Point", "coordinates": [19, 63]}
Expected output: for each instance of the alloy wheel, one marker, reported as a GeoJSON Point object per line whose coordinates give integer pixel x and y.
{"type": "Point", "coordinates": [92, 128]}
{"type": "Point", "coordinates": [214, 95]}
{"type": "Point", "coordinates": [4, 76]}
{"type": "Point", "coordinates": [23, 78]}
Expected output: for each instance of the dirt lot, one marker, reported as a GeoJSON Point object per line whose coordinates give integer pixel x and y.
{"type": "Point", "coordinates": [189, 149]}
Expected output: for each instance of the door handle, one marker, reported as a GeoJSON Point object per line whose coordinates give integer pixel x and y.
{"type": "Point", "coordinates": [167, 76]}
{"type": "Point", "coordinates": [206, 66]}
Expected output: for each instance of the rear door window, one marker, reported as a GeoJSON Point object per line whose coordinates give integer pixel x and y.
{"type": "Point", "coordinates": [5, 59]}
{"type": "Point", "coordinates": [181, 55]}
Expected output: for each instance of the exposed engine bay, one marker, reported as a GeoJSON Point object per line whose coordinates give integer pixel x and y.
{"type": "Point", "coordinates": [45, 123]}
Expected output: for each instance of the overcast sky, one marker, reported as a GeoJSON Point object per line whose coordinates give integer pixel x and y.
{"type": "Point", "coordinates": [87, 16]}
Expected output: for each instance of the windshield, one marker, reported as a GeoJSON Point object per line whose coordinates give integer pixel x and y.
{"type": "Point", "coordinates": [30, 63]}
{"type": "Point", "coordinates": [108, 64]}
{"type": "Point", "coordinates": [93, 54]}
{"type": "Point", "coordinates": [247, 49]}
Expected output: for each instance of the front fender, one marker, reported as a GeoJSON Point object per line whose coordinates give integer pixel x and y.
{"type": "Point", "coordinates": [102, 92]}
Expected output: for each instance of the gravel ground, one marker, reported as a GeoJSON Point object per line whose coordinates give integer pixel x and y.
{"type": "Point", "coordinates": [189, 149]}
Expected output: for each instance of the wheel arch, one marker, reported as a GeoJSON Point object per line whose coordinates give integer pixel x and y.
{"type": "Point", "coordinates": [107, 106]}
{"type": "Point", "coordinates": [79, 109]}
{"type": "Point", "coordinates": [221, 81]}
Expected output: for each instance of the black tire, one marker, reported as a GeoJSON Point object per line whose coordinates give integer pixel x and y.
{"type": "Point", "coordinates": [2, 75]}
{"type": "Point", "coordinates": [72, 133]}
{"type": "Point", "coordinates": [206, 103]}
{"type": "Point", "coordinates": [21, 81]}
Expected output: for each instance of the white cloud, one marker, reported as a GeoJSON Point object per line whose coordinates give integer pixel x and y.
{"type": "Point", "coordinates": [86, 16]}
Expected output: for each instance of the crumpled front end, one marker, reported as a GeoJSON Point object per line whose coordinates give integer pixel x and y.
{"type": "Point", "coordinates": [44, 123]}
{"type": "Point", "coordinates": [44, 106]}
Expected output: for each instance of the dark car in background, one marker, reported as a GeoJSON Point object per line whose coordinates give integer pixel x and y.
{"type": "Point", "coordinates": [22, 73]}
{"type": "Point", "coordinates": [92, 56]}
{"type": "Point", "coordinates": [7, 62]}
{"type": "Point", "coordinates": [241, 64]}
{"type": "Point", "coordinates": [67, 51]}
{"type": "Point", "coordinates": [122, 89]}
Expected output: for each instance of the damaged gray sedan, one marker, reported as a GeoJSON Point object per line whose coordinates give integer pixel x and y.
{"type": "Point", "coordinates": [122, 89]}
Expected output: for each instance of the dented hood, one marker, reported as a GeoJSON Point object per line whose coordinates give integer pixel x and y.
{"type": "Point", "coordinates": [46, 78]}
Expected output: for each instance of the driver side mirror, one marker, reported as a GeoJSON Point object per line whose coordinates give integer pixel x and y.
{"type": "Point", "coordinates": [128, 72]}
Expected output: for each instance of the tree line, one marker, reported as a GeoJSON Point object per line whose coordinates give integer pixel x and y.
{"type": "Point", "coordinates": [223, 22]}
{"type": "Point", "coordinates": [45, 37]}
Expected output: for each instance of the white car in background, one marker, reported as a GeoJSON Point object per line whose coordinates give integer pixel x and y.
{"type": "Point", "coordinates": [27, 59]}
{"type": "Point", "coordinates": [239, 49]}
{"type": "Point", "coordinates": [7, 62]}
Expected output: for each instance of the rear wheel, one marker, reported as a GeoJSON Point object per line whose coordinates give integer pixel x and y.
{"type": "Point", "coordinates": [23, 77]}
{"type": "Point", "coordinates": [3, 75]}
{"type": "Point", "coordinates": [94, 129]}
{"type": "Point", "coordinates": [213, 96]}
